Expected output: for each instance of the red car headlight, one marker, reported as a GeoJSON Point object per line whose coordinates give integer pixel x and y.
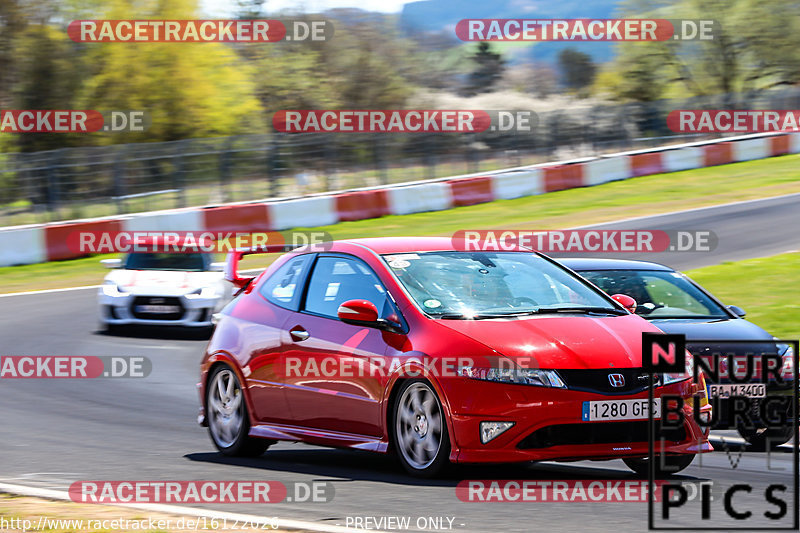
{"type": "Point", "coordinates": [519, 376]}
{"type": "Point", "coordinates": [666, 379]}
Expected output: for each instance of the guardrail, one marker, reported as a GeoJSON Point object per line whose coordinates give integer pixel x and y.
{"type": "Point", "coordinates": [48, 242]}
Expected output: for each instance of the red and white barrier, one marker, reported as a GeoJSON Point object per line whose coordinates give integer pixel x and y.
{"type": "Point", "coordinates": [309, 212]}
{"type": "Point", "coordinates": [562, 177]}
{"type": "Point", "coordinates": [794, 143]}
{"type": "Point", "coordinates": [605, 169]}
{"type": "Point", "coordinates": [237, 218]}
{"type": "Point", "coordinates": [56, 236]}
{"type": "Point", "coordinates": [420, 198]}
{"type": "Point", "coordinates": [686, 158]}
{"type": "Point", "coordinates": [646, 163]}
{"type": "Point", "coordinates": [23, 245]}
{"type": "Point", "coordinates": [517, 184]}
{"type": "Point", "coordinates": [717, 154]}
{"type": "Point", "coordinates": [471, 191]}
{"type": "Point", "coordinates": [750, 149]}
{"type": "Point", "coordinates": [39, 243]}
{"type": "Point", "coordinates": [360, 205]}
{"type": "Point", "coordinates": [179, 220]}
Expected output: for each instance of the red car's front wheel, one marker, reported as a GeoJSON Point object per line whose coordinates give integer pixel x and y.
{"type": "Point", "coordinates": [420, 430]}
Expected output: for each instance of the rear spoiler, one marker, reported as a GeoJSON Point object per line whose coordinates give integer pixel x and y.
{"type": "Point", "coordinates": [231, 272]}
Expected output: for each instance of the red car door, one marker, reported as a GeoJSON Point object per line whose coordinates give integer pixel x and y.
{"type": "Point", "coordinates": [278, 300]}
{"type": "Point", "coordinates": [336, 372]}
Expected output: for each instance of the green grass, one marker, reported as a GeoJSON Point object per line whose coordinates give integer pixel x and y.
{"type": "Point", "coordinates": [766, 288]}
{"type": "Point", "coordinates": [635, 197]}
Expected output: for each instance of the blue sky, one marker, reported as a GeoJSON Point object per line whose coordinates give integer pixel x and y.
{"type": "Point", "coordinates": [224, 8]}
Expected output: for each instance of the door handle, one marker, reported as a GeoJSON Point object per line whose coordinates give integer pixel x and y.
{"type": "Point", "coordinates": [299, 335]}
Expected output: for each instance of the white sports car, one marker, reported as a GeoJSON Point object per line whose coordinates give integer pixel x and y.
{"type": "Point", "coordinates": [156, 289]}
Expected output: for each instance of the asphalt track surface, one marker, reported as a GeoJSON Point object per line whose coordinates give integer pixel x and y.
{"type": "Point", "coordinates": [55, 432]}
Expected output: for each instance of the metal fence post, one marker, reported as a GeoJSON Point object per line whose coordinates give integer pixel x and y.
{"type": "Point", "coordinates": [177, 174]}
{"type": "Point", "coordinates": [53, 193]}
{"type": "Point", "coordinates": [118, 178]}
{"type": "Point", "coordinates": [378, 152]}
{"type": "Point", "coordinates": [225, 186]}
{"type": "Point", "coordinates": [272, 166]}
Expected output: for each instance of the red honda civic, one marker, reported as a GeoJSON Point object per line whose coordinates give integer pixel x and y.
{"type": "Point", "coordinates": [438, 355]}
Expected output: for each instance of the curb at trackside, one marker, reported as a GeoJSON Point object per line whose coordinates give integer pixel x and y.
{"type": "Point", "coordinates": [267, 522]}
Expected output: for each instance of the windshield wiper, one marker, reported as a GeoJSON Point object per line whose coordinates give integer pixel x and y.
{"type": "Point", "coordinates": [482, 316]}
{"type": "Point", "coordinates": [449, 315]}
{"type": "Point", "coordinates": [586, 310]}
{"type": "Point", "coordinates": [544, 311]}
{"type": "Point", "coordinates": [503, 315]}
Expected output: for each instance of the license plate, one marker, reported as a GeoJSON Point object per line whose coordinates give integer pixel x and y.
{"type": "Point", "coordinates": [750, 390]}
{"type": "Point", "coordinates": [619, 410]}
{"type": "Point", "coordinates": [158, 309]}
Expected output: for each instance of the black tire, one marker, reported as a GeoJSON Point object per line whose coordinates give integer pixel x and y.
{"type": "Point", "coordinates": [419, 429]}
{"type": "Point", "coordinates": [228, 419]}
{"type": "Point", "coordinates": [759, 439]}
{"type": "Point", "coordinates": [672, 464]}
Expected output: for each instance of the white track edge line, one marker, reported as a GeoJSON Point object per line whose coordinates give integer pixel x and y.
{"type": "Point", "coordinates": [44, 291]}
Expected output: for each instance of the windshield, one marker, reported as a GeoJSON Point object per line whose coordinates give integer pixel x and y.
{"type": "Point", "coordinates": [155, 261]}
{"type": "Point", "coordinates": [659, 294]}
{"type": "Point", "coordinates": [493, 284]}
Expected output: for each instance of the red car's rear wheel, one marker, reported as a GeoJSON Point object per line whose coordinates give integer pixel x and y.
{"type": "Point", "coordinates": [228, 421]}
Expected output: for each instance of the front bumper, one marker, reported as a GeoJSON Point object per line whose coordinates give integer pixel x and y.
{"type": "Point", "coordinates": [121, 310]}
{"type": "Point", "coordinates": [548, 426]}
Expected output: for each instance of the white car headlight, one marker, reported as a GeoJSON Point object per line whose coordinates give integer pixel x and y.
{"type": "Point", "coordinates": [112, 288]}
{"type": "Point", "coordinates": [520, 376]}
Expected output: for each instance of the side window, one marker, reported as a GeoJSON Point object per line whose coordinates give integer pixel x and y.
{"type": "Point", "coordinates": [337, 279]}
{"type": "Point", "coordinates": [284, 286]}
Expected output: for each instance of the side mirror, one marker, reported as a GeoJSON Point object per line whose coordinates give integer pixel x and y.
{"type": "Point", "coordinates": [736, 310]}
{"type": "Point", "coordinates": [625, 301]}
{"type": "Point", "coordinates": [358, 311]}
{"type": "Point", "coordinates": [216, 267]}
{"type": "Point", "coordinates": [111, 263]}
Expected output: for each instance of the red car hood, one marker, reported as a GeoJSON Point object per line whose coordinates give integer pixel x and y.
{"type": "Point", "coordinates": [561, 342]}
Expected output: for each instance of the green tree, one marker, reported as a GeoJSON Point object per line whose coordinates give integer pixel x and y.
{"type": "Point", "coordinates": [188, 89]}
{"type": "Point", "coordinates": [12, 24]}
{"type": "Point", "coordinates": [364, 66]}
{"type": "Point", "coordinates": [489, 69]}
{"type": "Point", "coordinates": [755, 46]}
{"type": "Point", "coordinates": [577, 68]}
{"type": "Point", "coordinates": [49, 77]}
